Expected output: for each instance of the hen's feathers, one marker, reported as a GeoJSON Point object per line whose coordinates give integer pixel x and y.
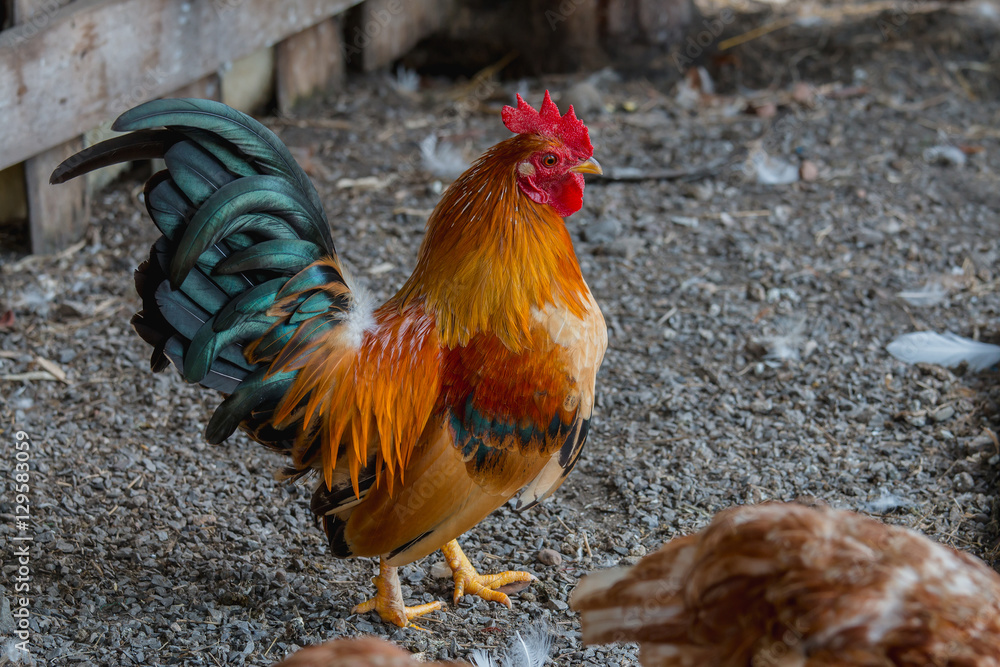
{"type": "Point", "coordinates": [785, 584]}
{"type": "Point", "coordinates": [361, 652]}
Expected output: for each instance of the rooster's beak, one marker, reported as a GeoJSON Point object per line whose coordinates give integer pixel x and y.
{"type": "Point", "coordinates": [591, 166]}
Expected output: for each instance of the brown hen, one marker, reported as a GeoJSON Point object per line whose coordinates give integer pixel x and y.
{"type": "Point", "coordinates": [784, 584]}
{"type": "Point", "coordinates": [362, 652]}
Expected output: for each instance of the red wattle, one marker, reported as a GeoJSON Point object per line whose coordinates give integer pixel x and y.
{"type": "Point", "coordinates": [566, 197]}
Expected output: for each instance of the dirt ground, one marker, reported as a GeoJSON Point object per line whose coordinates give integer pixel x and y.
{"type": "Point", "coordinates": [747, 362]}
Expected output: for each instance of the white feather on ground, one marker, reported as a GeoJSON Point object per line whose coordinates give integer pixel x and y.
{"type": "Point", "coordinates": [932, 293]}
{"type": "Point", "coordinates": [886, 502]}
{"type": "Point", "coordinates": [11, 653]}
{"type": "Point", "coordinates": [530, 649]}
{"type": "Point", "coordinates": [441, 158]}
{"type": "Point", "coordinates": [405, 80]}
{"type": "Point", "coordinates": [945, 349]}
{"type": "Point", "coordinates": [770, 169]}
{"type": "Point", "coordinates": [787, 341]}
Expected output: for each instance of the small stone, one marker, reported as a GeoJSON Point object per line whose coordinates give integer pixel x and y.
{"type": "Point", "coordinates": [808, 171]}
{"type": "Point", "coordinates": [963, 482]}
{"type": "Point", "coordinates": [550, 557]}
{"type": "Point", "coordinates": [943, 414]}
{"type": "Point", "coordinates": [627, 247]}
{"type": "Point", "coordinates": [980, 443]}
{"type": "Point", "coordinates": [803, 93]}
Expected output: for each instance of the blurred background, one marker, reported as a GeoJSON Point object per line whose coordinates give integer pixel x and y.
{"type": "Point", "coordinates": [69, 67]}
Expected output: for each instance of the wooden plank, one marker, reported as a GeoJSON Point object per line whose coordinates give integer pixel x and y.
{"type": "Point", "coordinates": [248, 84]}
{"type": "Point", "coordinates": [94, 58]}
{"type": "Point", "coordinates": [307, 63]}
{"type": "Point", "coordinates": [57, 216]}
{"type": "Point", "coordinates": [380, 31]}
{"type": "Point", "coordinates": [13, 198]}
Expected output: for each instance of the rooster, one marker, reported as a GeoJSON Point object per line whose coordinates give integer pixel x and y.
{"type": "Point", "coordinates": [783, 584]}
{"type": "Point", "coordinates": [419, 416]}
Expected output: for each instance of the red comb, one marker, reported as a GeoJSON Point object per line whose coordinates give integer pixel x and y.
{"type": "Point", "coordinates": [549, 123]}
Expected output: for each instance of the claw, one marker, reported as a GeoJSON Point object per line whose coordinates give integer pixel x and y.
{"type": "Point", "coordinates": [470, 582]}
{"type": "Point", "coordinates": [388, 601]}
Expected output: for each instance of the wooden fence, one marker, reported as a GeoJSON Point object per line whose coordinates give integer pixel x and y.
{"type": "Point", "coordinates": [67, 68]}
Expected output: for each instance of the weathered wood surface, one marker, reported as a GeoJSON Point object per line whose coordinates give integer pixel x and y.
{"type": "Point", "coordinates": [247, 84]}
{"type": "Point", "coordinates": [69, 70]}
{"type": "Point", "coordinates": [57, 217]}
{"type": "Point", "coordinates": [13, 200]}
{"type": "Point", "coordinates": [308, 62]}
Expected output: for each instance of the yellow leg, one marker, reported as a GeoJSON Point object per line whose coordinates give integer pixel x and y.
{"type": "Point", "coordinates": [388, 601]}
{"type": "Point", "coordinates": [470, 582]}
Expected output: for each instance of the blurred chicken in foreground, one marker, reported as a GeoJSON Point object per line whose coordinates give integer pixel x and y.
{"type": "Point", "coordinates": [530, 649]}
{"type": "Point", "coordinates": [363, 652]}
{"type": "Point", "coordinates": [783, 584]}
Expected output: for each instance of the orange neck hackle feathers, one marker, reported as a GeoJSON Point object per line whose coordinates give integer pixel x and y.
{"type": "Point", "coordinates": [492, 254]}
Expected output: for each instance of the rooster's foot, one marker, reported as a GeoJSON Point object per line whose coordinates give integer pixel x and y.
{"type": "Point", "coordinates": [388, 602]}
{"type": "Point", "coordinates": [470, 582]}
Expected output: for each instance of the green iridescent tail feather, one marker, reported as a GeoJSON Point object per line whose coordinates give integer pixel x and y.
{"type": "Point", "coordinates": [240, 220]}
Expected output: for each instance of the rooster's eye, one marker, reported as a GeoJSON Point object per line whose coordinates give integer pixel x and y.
{"type": "Point", "coordinates": [549, 160]}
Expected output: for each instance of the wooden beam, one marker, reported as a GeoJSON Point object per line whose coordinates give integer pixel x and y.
{"type": "Point", "coordinates": [308, 62]}
{"type": "Point", "coordinates": [87, 62]}
{"type": "Point", "coordinates": [248, 83]}
{"type": "Point", "coordinates": [13, 198]}
{"type": "Point", "coordinates": [57, 216]}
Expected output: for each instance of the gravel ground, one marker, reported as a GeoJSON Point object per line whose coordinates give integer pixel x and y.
{"type": "Point", "coordinates": [748, 325]}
